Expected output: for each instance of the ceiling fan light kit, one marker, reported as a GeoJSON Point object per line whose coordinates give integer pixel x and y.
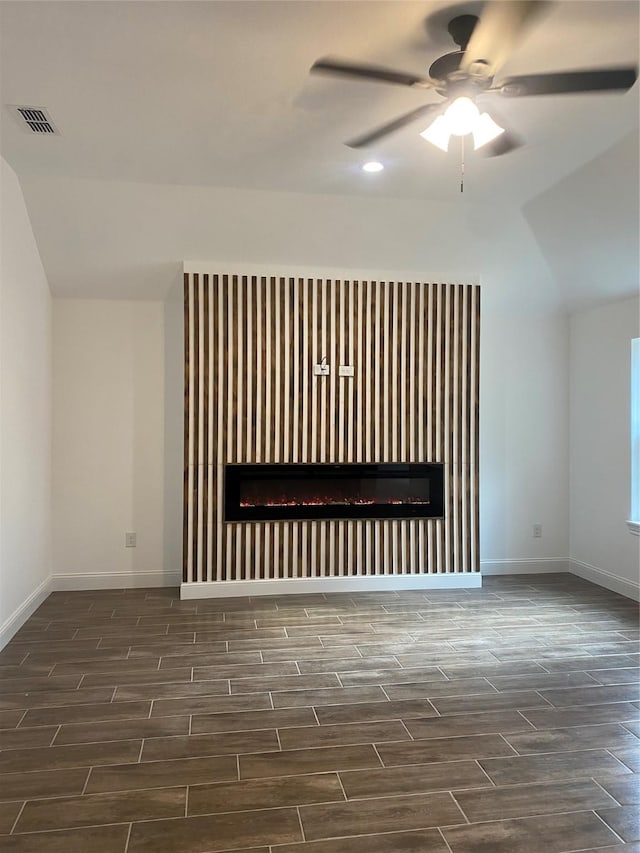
{"type": "Point", "coordinates": [461, 118]}
{"type": "Point", "coordinates": [464, 76]}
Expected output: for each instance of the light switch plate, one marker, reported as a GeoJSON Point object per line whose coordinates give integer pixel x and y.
{"type": "Point", "coordinates": [320, 369]}
{"type": "Point", "coordinates": [345, 370]}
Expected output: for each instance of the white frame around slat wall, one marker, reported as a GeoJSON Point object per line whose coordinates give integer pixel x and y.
{"type": "Point", "coordinates": [254, 399]}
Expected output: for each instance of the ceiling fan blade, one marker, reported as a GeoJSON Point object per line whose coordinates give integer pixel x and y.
{"type": "Point", "coordinates": [503, 144]}
{"type": "Point", "coordinates": [570, 82]}
{"type": "Point", "coordinates": [501, 26]}
{"type": "Point", "coordinates": [392, 126]}
{"type": "Point", "coordinates": [369, 72]}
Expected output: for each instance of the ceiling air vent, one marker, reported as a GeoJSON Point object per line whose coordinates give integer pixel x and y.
{"type": "Point", "coordinates": [36, 120]}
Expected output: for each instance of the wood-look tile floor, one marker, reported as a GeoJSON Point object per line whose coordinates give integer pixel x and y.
{"type": "Point", "coordinates": [500, 720]}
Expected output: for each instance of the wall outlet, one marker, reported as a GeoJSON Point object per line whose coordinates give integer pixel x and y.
{"type": "Point", "coordinates": [129, 540]}
{"type": "Point", "coordinates": [345, 370]}
{"type": "Point", "coordinates": [537, 531]}
{"type": "Point", "coordinates": [320, 369]}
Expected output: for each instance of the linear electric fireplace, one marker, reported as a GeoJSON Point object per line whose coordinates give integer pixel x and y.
{"type": "Point", "coordinates": [325, 491]}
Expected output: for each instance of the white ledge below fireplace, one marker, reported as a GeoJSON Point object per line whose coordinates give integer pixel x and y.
{"type": "Point", "coordinates": [357, 583]}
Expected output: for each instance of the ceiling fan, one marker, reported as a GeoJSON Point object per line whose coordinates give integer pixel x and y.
{"type": "Point", "coordinates": [465, 74]}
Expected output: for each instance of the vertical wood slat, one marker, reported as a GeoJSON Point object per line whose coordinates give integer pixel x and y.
{"type": "Point", "coordinates": [250, 396]}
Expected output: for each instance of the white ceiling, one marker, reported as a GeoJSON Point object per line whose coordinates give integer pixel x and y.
{"type": "Point", "coordinates": [217, 95]}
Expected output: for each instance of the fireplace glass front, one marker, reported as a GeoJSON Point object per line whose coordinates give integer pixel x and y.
{"type": "Point", "coordinates": [330, 491]}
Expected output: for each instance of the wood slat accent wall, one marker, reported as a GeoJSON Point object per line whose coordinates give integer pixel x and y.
{"type": "Point", "coordinates": [250, 396]}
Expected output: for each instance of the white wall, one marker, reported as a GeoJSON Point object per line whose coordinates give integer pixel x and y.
{"type": "Point", "coordinates": [524, 421]}
{"type": "Point", "coordinates": [108, 443]}
{"type": "Point", "coordinates": [25, 413]}
{"type": "Point", "coordinates": [601, 546]}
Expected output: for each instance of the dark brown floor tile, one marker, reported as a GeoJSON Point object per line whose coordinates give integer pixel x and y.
{"type": "Point", "coordinates": [420, 841]}
{"type": "Point", "coordinates": [284, 683]}
{"type": "Point", "coordinates": [285, 646]}
{"type": "Point", "coordinates": [140, 665]}
{"type": "Point", "coordinates": [459, 687]}
{"type": "Point", "coordinates": [193, 746]}
{"type": "Point", "coordinates": [633, 727]}
{"type": "Point", "coordinates": [44, 783]}
{"type": "Point", "coordinates": [541, 681]}
{"type": "Point", "coordinates": [8, 814]}
{"type": "Point", "coordinates": [300, 761]}
{"type": "Point", "coordinates": [173, 648]}
{"type": "Point", "coordinates": [106, 839]}
{"type": "Point", "coordinates": [611, 735]}
{"type": "Point", "coordinates": [349, 733]}
{"type": "Point", "coordinates": [61, 757]}
{"type": "Point", "coordinates": [265, 793]}
{"type": "Point", "coordinates": [527, 800]}
{"type": "Point", "coordinates": [39, 683]}
{"type": "Point", "coordinates": [249, 720]}
{"type": "Point", "coordinates": [173, 690]}
{"type": "Point", "coordinates": [428, 653]}
{"type": "Point", "coordinates": [308, 652]}
{"type": "Point", "coordinates": [46, 699]}
{"type": "Point", "coordinates": [555, 718]}
{"type": "Point", "coordinates": [82, 654]}
{"type": "Point", "coordinates": [591, 695]}
{"type": "Point", "coordinates": [501, 701]}
{"type": "Point", "coordinates": [624, 820]}
{"type": "Point", "coordinates": [126, 635]}
{"type": "Point", "coordinates": [625, 789]}
{"type": "Point", "coordinates": [25, 670]}
{"type": "Point", "coordinates": [552, 766]}
{"type": "Point", "coordinates": [579, 664]}
{"type": "Point", "coordinates": [236, 671]}
{"type": "Point", "coordinates": [551, 833]}
{"type": "Point", "coordinates": [162, 774]}
{"type": "Point", "coordinates": [237, 634]}
{"type": "Point", "coordinates": [288, 621]}
{"type": "Point", "coordinates": [326, 696]}
{"type": "Point", "coordinates": [216, 832]}
{"type": "Point", "coordinates": [121, 730]}
{"type": "Point", "coordinates": [198, 656]}
{"type": "Point", "coordinates": [621, 647]}
{"type": "Point", "coordinates": [370, 711]}
{"type": "Point", "coordinates": [413, 779]}
{"type": "Point", "coordinates": [629, 755]}
{"type": "Point", "coordinates": [446, 659]}
{"type": "Point", "coordinates": [22, 738]}
{"type": "Point", "coordinates": [350, 667]}
{"type": "Point", "coordinates": [382, 814]}
{"type": "Point", "coordinates": [468, 724]}
{"type": "Point", "coordinates": [86, 713]}
{"type": "Point", "coordinates": [401, 675]}
{"type": "Point", "coordinates": [10, 719]}
{"type": "Point", "coordinates": [619, 675]}
{"type": "Point", "coordinates": [95, 809]}
{"type": "Point", "coordinates": [443, 749]}
{"type": "Point", "coordinates": [99, 679]}
{"type": "Point", "coordinates": [542, 653]}
{"type": "Point", "coordinates": [211, 704]}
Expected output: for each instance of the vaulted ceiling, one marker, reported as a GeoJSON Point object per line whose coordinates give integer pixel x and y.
{"type": "Point", "coordinates": [171, 111]}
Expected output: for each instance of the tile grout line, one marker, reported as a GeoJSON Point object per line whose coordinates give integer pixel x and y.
{"type": "Point", "coordinates": [126, 844]}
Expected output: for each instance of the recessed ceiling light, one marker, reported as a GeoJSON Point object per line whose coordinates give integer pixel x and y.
{"type": "Point", "coordinates": [372, 166]}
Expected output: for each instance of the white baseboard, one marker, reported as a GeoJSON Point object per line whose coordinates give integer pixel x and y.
{"type": "Point", "coordinates": [232, 589]}
{"type": "Point", "coordinates": [19, 616]}
{"type": "Point", "coordinates": [523, 567]}
{"type": "Point", "coordinates": [622, 586]}
{"type": "Point", "coordinates": [114, 580]}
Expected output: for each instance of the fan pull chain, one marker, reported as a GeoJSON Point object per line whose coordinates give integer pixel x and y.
{"type": "Point", "coordinates": [462, 164]}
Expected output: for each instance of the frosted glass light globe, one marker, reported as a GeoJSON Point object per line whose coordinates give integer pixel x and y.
{"type": "Point", "coordinates": [462, 116]}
